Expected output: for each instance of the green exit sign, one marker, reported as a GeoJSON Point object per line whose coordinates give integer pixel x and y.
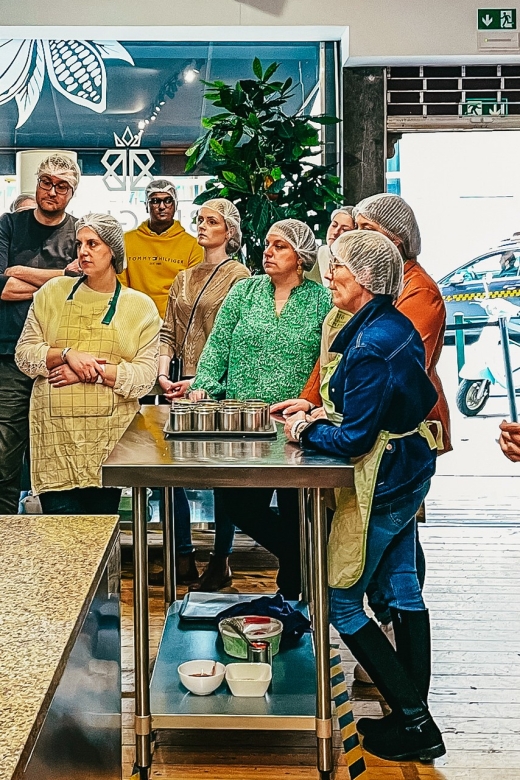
{"type": "Point", "coordinates": [497, 18]}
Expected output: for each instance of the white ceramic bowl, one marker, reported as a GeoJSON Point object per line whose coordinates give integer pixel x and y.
{"type": "Point", "coordinates": [248, 679]}
{"type": "Point", "coordinates": [202, 686]}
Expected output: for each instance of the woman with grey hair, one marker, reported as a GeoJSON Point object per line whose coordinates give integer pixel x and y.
{"type": "Point", "coordinates": [264, 343]}
{"type": "Point", "coordinates": [376, 396]}
{"type": "Point", "coordinates": [91, 345]}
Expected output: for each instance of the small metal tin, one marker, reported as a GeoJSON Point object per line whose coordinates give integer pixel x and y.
{"type": "Point", "coordinates": [263, 408]}
{"type": "Point", "coordinates": [260, 652]}
{"type": "Point", "coordinates": [252, 419]}
{"type": "Point", "coordinates": [229, 418]}
{"type": "Point", "coordinates": [181, 418]}
{"type": "Point", "coordinates": [204, 418]}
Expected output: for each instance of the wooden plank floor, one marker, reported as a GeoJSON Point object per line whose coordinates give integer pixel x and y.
{"type": "Point", "coordinates": [473, 592]}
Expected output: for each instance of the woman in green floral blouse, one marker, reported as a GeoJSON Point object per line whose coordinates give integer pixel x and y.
{"type": "Point", "coordinates": [264, 344]}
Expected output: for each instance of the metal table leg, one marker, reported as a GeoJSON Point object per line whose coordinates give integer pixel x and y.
{"type": "Point", "coordinates": [143, 719]}
{"type": "Point", "coordinates": [321, 633]}
{"type": "Point", "coordinates": [168, 524]}
{"type": "Point", "coordinates": [304, 551]}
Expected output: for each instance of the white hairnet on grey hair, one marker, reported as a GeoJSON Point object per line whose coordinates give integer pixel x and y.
{"type": "Point", "coordinates": [110, 232]}
{"type": "Point", "coordinates": [395, 217]}
{"type": "Point", "coordinates": [373, 260]}
{"type": "Point", "coordinates": [61, 166]}
{"type": "Point", "coordinates": [300, 237]}
{"type": "Point", "coordinates": [162, 185]}
{"type": "Point", "coordinates": [22, 198]}
{"type": "Point", "coordinates": [231, 216]}
{"type": "Point", "coordinates": [348, 210]}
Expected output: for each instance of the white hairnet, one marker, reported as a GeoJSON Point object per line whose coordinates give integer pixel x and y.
{"type": "Point", "coordinates": [231, 216]}
{"type": "Point", "coordinates": [162, 185]}
{"type": "Point", "coordinates": [348, 210]}
{"type": "Point", "coordinates": [61, 166]}
{"type": "Point", "coordinates": [300, 237]}
{"type": "Point", "coordinates": [395, 217]}
{"type": "Point", "coordinates": [17, 202]}
{"type": "Point", "coordinates": [373, 260]}
{"type": "Point", "coordinates": [110, 231]}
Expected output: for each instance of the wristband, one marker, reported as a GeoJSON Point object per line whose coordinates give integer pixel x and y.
{"type": "Point", "coordinates": [64, 352]}
{"type": "Point", "coordinates": [297, 428]}
{"type": "Point", "coordinates": [164, 375]}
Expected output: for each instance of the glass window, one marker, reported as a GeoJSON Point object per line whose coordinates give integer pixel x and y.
{"type": "Point", "coordinates": [498, 265]}
{"type": "Point", "coordinates": [82, 95]}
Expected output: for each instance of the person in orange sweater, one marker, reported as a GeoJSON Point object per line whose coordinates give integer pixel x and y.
{"type": "Point", "coordinates": [159, 248]}
{"type": "Point", "coordinates": [420, 301]}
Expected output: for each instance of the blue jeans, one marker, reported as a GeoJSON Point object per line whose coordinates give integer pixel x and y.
{"type": "Point", "coordinates": [81, 501]}
{"type": "Point", "coordinates": [391, 546]}
{"type": "Point", "coordinates": [181, 509]}
{"type": "Point", "coordinates": [224, 529]}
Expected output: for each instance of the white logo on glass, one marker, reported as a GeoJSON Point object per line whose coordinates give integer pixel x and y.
{"type": "Point", "coordinates": [127, 165]}
{"type": "Point", "coordinates": [76, 70]}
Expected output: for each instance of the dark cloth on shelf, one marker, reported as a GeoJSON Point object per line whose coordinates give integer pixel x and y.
{"type": "Point", "coordinates": [295, 624]}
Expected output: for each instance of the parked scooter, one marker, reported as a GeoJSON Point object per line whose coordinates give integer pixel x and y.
{"type": "Point", "coordinates": [484, 364]}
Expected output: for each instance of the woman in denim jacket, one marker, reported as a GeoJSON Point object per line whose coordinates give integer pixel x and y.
{"type": "Point", "coordinates": [376, 396]}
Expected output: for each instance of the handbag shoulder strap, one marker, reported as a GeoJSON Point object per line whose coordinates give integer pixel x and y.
{"type": "Point", "coordinates": [197, 299]}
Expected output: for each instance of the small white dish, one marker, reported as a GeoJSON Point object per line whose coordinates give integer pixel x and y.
{"type": "Point", "coordinates": [248, 679]}
{"type": "Point", "coordinates": [201, 686]}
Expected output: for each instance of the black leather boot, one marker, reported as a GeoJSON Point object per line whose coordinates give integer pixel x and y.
{"type": "Point", "coordinates": [216, 576]}
{"type": "Point", "coordinates": [412, 735]}
{"type": "Point", "coordinates": [413, 648]}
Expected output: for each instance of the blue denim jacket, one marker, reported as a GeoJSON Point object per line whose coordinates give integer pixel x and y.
{"type": "Point", "coordinates": [379, 385]}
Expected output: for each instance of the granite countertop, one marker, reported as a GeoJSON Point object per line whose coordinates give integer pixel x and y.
{"type": "Point", "coordinates": [49, 570]}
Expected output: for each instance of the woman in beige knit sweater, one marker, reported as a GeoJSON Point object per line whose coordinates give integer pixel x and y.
{"type": "Point", "coordinates": [186, 329]}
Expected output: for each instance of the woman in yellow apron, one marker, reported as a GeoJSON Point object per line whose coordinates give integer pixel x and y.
{"type": "Point", "coordinates": [92, 347]}
{"type": "Point", "coordinates": [376, 395]}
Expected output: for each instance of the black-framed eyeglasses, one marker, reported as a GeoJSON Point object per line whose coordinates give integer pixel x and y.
{"type": "Point", "coordinates": [167, 201]}
{"type": "Point", "coordinates": [60, 188]}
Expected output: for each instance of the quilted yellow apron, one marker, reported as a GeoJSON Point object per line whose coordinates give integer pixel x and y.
{"type": "Point", "coordinates": [348, 536]}
{"type": "Point", "coordinates": [76, 427]}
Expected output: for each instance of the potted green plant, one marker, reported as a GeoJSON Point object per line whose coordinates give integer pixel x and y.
{"type": "Point", "coordinates": [259, 158]}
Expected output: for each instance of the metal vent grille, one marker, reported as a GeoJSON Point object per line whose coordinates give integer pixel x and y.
{"type": "Point", "coordinates": [464, 96]}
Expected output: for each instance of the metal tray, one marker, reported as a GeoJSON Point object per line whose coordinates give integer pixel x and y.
{"type": "Point", "coordinates": [271, 433]}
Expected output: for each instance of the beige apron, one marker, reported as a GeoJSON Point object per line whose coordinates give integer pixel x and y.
{"type": "Point", "coordinates": [348, 536]}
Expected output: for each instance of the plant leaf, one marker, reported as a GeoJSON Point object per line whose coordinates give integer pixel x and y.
{"type": "Point", "coordinates": [15, 64]}
{"type": "Point", "coordinates": [323, 119]}
{"type": "Point", "coordinates": [28, 96]}
{"type": "Point", "coordinates": [113, 50]}
{"type": "Point", "coordinates": [257, 68]}
{"type": "Point", "coordinates": [270, 70]}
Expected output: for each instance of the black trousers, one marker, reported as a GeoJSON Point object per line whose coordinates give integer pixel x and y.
{"type": "Point", "coordinates": [15, 393]}
{"type": "Point", "coordinates": [81, 501]}
{"type": "Point", "coordinates": [277, 531]}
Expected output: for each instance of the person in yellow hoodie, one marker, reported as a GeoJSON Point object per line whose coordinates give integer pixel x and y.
{"type": "Point", "coordinates": [160, 247]}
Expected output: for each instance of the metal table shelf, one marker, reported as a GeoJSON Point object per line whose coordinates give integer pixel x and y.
{"type": "Point", "coordinates": [290, 703]}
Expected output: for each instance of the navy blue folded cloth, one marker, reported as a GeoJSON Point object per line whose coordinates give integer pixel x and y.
{"type": "Point", "coordinates": [295, 624]}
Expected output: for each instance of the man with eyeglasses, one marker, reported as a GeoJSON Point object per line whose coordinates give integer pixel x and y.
{"type": "Point", "coordinates": [35, 245]}
{"type": "Point", "coordinates": [160, 247]}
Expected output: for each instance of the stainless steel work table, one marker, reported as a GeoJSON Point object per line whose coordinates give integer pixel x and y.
{"type": "Point", "coordinates": [144, 458]}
